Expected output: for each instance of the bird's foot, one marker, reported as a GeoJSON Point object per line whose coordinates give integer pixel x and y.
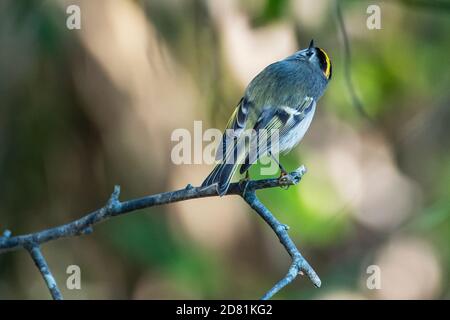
{"type": "Point", "coordinates": [285, 179]}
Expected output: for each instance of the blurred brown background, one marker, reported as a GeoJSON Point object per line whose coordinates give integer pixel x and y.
{"type": "Point", "coordinates": [82, 110]}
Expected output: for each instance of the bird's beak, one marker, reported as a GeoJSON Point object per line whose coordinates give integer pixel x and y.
{"type": "Point", "coordinates": [311, 44]}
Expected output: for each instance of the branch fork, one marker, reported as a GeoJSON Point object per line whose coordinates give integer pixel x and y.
{"type": "Point", "coordinates": [114, 207]}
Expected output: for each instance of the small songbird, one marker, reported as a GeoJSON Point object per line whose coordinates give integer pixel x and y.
{"type": "Point", "coordinates": [282, 97]}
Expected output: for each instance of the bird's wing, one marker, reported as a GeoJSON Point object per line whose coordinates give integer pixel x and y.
{"type": "Point", "coordinates": [229, 155]}
{"type": "Point", "coordinates": [297, 115]}
{"type": "Point", "coordinates": [235, 126]}
{"type": "Point", "coordinates": [272, 126]}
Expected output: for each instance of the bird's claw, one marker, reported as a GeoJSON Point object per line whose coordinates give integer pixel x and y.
{"type": "Point", "coordinates": [285, 180]}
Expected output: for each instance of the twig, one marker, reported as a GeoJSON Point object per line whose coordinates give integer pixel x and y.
{"type": "Point", "coordinates": [42, 265]}
{"type": "Point", "coordinates": [299, 264]}
{"type": "Point", "coordinates": [114, 207]}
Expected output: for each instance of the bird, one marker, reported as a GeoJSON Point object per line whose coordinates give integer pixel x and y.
{"type": "Point", "coordinates": [281, 99]}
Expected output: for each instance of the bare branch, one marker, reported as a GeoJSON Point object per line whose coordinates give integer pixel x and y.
{"type": "Point", "coordinates": [114, 207]}
{"type": "Point", "coordinates": [42, 265]}
{"type": "Point", "coordinates": [299, 264]}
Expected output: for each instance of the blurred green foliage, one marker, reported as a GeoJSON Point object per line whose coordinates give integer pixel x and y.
{"type": "Point", "coordinates": [56, 161]}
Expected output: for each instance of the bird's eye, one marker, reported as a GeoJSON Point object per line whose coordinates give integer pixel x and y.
{"type": "Point", "coordinates": [309, 53]}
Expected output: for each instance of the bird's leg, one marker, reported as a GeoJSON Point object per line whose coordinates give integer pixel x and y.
{"type": "Point", "coordinates": [283, 173]}
{"type": "Point", "coordinates": [244, 181]}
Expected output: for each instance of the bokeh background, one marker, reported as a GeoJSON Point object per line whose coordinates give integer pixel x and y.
{"type": "Point", "coordinates": [82, 110]}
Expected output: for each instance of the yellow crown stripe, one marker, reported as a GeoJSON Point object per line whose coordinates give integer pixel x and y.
{"type": "Point", "coordinates": [327, 58]}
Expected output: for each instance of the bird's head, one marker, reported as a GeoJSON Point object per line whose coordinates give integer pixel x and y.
{"type": "Point", "coordinates": [318, 57]}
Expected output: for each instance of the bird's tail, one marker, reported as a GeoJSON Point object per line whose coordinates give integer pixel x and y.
{"type": "Point", "coordinates": [221, 176]}
{"type": "Point", "coordinates": [230, 156]}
